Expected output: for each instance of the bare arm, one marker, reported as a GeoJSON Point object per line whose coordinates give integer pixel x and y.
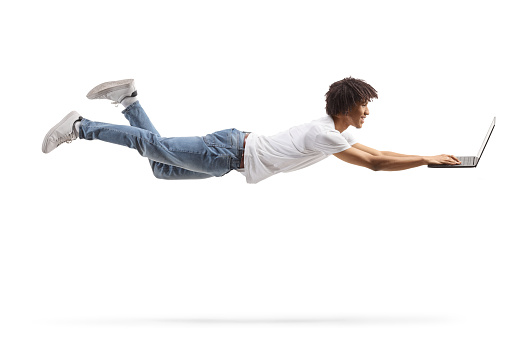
{"type": "Point", "coordinates": [378, 161]}
{"type": "Point", "coordinates": [373, 151]}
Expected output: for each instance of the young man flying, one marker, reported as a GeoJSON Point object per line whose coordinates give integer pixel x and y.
{"type": "Point", "coordinates": [256, 156]}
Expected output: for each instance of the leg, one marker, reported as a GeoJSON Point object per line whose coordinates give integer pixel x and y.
{"type": "Point", "coordinates": [124, 92]}
{"type": "Point", "coordinates": [214, 155]}
{"type": "Point", "coordinates": [137, 117]}
{"type": "Point", "coordinates": [168, 172]}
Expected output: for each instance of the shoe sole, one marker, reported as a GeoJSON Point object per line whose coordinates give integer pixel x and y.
{"type": "Point", "coordinates": [73, 115]}
{"type": "Point", "coordinates": [110, 86]}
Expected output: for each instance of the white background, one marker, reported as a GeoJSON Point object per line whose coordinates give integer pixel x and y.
{"type": "Point", "coordinates": [92, 245]}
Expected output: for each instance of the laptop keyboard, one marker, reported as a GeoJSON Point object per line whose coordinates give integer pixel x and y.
{"type": "Point", "coordinates": [467, 161]}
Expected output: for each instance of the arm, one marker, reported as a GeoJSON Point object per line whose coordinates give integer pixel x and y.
{"type": "Point", "coordinates": [373, 151]}
{"type": "Point", "coordinates": [378, 161]}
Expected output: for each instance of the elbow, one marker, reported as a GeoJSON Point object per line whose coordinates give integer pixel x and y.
{"type": "Point", "coordinates": [374, 164]}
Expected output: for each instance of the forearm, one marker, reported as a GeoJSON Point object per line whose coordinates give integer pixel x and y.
{"type": "Point", "coordinates": [397, 163]}
{"type": "Point", "coordinates": [393, 154]}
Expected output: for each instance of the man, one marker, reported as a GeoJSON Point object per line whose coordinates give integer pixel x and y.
{"type": "Point", "coordinates": [257, 157]}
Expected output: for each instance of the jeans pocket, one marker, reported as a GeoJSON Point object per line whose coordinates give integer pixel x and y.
{"type": "Point", "coordinates": [221, 139]}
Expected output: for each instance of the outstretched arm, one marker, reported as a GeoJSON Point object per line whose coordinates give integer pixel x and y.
{"type": "Point", "coordinates": [373, 151]}
{"type": "Point", "coordinates": [364, 156]}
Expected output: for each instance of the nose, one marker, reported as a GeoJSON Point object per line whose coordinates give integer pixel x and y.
{"type": "Point", "coordinates": [366, 111]}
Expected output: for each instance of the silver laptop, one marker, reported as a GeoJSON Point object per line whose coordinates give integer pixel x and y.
{"type": "Point", "coordinates": [471, 161]}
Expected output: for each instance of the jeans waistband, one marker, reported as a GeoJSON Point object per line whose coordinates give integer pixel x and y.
{"type": "Point", "coordinates": [238, 141]}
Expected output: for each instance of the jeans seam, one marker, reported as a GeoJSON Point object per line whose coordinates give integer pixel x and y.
{"type": "Point", "coordinates": [160, 145]}
{"type": "Point", "coordinates": [211, 144]}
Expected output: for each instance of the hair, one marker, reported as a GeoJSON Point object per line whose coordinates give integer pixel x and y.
{"type": "Point", "coordinates": [345, 94]}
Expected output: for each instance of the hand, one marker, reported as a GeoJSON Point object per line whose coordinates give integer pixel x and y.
{"type": "Point", "coordinates": [443, 159]}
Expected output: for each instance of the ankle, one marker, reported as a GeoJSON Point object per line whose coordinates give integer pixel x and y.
{"type": "Point", "coordinates": [129, 101]}
{"type": "Point", "coordinates": [77, 125]}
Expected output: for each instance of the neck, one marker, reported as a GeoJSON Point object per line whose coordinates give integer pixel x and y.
{"type": "Point", "coordinates": [341, 123]}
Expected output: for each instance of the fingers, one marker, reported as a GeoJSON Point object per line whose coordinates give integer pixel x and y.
{"type": "Point", "coordinates": [458, 160]}
{"type": "Point", "coordinates": [453, 160]}
{"type": "Point", "coordinates": [448, 159]}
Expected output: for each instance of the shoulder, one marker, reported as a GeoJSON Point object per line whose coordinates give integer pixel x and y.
{"type": "Point", "coordinates": [325, 122]}
{"type": "Point", "coordinates": [323, 125]}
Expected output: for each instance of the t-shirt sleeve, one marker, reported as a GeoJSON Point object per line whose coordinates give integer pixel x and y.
{"type": "Point", "coordinates": [349, 138]}
{"type": "Point", "coordinates": [330, 142]}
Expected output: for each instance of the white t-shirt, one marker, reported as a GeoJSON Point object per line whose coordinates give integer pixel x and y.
{"type": "Point", "coordinates": [293, 149]}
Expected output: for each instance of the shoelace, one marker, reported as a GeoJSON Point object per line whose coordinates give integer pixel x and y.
{"type": "Point", "coordinates": [68, 138]}
{"type": "Point", "coordinates": [116, 103]}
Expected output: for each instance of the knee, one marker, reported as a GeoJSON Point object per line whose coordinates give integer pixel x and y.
{"type": "Point", "coordinates": [164, 171]}
{"type": "Point", "coordinates": [157, 169]}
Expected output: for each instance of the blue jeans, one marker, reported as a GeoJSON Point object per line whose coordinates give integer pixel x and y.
{"type": "Point", "coordinates": [213, 155]}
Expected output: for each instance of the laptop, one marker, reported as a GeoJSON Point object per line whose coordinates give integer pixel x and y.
{"type": "Point", "coordinates": [470, 161]}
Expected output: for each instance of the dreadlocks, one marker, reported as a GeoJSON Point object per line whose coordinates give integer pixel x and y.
{"type": "Point", "coordinates": [343, 95]}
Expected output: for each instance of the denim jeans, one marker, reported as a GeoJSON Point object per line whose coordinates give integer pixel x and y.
{"type": "Point", "coordinates": [177, 158]}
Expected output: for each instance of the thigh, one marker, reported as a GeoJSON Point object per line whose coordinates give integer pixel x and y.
{"type": "Point", "coordinates": [210, 154]}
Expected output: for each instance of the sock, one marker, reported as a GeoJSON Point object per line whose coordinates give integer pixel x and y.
{"type": "Point", "coordinates": [128, 101]}
{"type": "Point", "coordinates": [77, 125]}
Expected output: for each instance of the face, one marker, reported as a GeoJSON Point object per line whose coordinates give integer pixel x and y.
{"type": "Point", "coordinates": [357, 114]}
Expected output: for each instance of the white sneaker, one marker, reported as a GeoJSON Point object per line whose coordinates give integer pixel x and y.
{"type": "Point", "coordinates": [117, 91]}
{"type": "Point", "coordinates": [64, 131]}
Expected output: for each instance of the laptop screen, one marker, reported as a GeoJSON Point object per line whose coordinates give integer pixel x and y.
{"type": "Point", "coordinates": [486, 138]}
